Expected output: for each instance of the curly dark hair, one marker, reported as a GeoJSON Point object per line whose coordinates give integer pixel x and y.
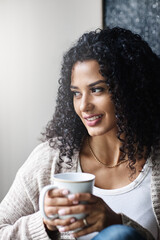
{"type": "Point", "coordinates": [132, 73]}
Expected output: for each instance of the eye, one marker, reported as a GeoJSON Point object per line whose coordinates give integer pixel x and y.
{"type": "Point", "coordinates": [76, 94]}
{"type": "Point", "coordinates": [97, 89]}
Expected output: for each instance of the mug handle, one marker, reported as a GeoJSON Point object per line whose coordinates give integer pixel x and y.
{"type": "Point", "coordinates": [41, 202]}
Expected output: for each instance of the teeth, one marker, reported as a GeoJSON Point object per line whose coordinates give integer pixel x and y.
{"type": "Point", "coordinates": [94, 118]}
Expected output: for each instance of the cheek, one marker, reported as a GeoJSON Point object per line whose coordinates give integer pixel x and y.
{"type": "Point", "coordinates": [110, 109]}
{"type": "Point", "coordinates": [112, 113]}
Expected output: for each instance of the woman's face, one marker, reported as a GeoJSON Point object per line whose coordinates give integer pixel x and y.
{"type": "Point", "coordinates": [91, 99]}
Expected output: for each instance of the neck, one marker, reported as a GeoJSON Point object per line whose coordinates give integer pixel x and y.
{"type": "Point", "coordinates": [106, 149]}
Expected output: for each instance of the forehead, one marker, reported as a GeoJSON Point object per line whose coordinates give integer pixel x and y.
{"type": "Point", "coordinates": [86, 70]}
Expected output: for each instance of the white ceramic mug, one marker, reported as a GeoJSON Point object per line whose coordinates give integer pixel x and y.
{"type": "Point", "coordinates": [75, 182]}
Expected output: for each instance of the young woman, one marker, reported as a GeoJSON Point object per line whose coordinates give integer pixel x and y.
{"type": "Point", "coordinates": [107, 123]}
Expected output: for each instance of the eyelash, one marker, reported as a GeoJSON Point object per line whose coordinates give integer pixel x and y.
{"type": "Point", "coordinates": [93, 90]}
{"type": "Point", "coordinates": [97, 88]}
{"type": "Point", "coordinates": [74, 93]}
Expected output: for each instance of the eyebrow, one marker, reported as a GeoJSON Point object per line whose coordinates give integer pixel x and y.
{"type": "Point", "coordinates": [90, 85]}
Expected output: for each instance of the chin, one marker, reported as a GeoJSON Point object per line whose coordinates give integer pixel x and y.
{"type": "Point", "coordinates": [94, 133]}
{"type": "Point", "coordinates": [101, 131]}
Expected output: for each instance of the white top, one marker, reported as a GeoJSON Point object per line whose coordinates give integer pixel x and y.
{"type": "Point", "coordinates": [130, 199]}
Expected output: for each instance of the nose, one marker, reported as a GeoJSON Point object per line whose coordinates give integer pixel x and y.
{"type": "Point", "coordinates": [86, 104]}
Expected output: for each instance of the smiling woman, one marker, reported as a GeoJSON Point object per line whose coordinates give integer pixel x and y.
{"type": "Point", "coordinates": [106, 123]}
{"type": "Point", "coordinates": [92, 101]}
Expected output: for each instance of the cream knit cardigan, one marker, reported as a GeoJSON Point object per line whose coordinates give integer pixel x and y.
{"type": "Point", "coordinates": [20, 218]}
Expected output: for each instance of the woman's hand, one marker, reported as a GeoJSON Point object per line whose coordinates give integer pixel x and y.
{"type": "Point", "coordinates": [99, 215]}
{"type": "Point", "coordinates": [55, 200]}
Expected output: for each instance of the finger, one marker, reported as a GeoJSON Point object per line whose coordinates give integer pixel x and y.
{"type": "Point", "coordinates": [57, 193]}
{"type": "Point", "coordinates": [85, 231]}
{"type": "Point", "coordinates": [62, 211]}
{"type": "Point", "coordinates": [79, 224]}
{"type": "Point", "coordinates": [92, 226]}
{"type": "Point", "coordinates": [58, 201]}
{"type": "Point", "coordinates": [80, 208]}
{"type": "Point", "coordinates": [76, 225]}
{"type": "Point", "coordinates": [49, 211]}
{"type": "Point", "coordinates": [83, 197]}
{"type": "Point", "coordinates": [52, 224]}
{"type": "Point", "coordinates": [65, 222]}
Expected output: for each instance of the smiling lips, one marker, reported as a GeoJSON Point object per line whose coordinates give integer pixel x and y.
{"type": "Point", "coordinates": [92, 120]}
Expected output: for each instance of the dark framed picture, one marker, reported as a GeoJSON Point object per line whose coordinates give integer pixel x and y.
{"type": "Point", "coordinates": [142, 17]}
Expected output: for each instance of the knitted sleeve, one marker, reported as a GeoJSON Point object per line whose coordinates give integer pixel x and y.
{"type": "Point", "coordinates": [144, 232]}
{"type": "Point", "coordinates": [20, 218]}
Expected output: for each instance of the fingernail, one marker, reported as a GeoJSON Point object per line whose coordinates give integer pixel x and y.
{"type": "Point", "coordinates": [61, 212]}
{"type": "Point", "coordinates": [75, 202]}
{"type": "Point", "coordinates": [71, 196]}
{"type": "Point", "coordinates": [72, 220]}
{"type": "Point", "coordinates": [62, 229]}
{"type": "Point", "coordinates": [65, 192]}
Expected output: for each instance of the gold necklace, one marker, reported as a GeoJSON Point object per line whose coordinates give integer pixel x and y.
{"type": "Point", "coordinates": [93, 154]}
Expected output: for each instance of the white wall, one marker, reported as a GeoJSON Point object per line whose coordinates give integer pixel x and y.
{"type": "Point", "coordinates": [33, 36]}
